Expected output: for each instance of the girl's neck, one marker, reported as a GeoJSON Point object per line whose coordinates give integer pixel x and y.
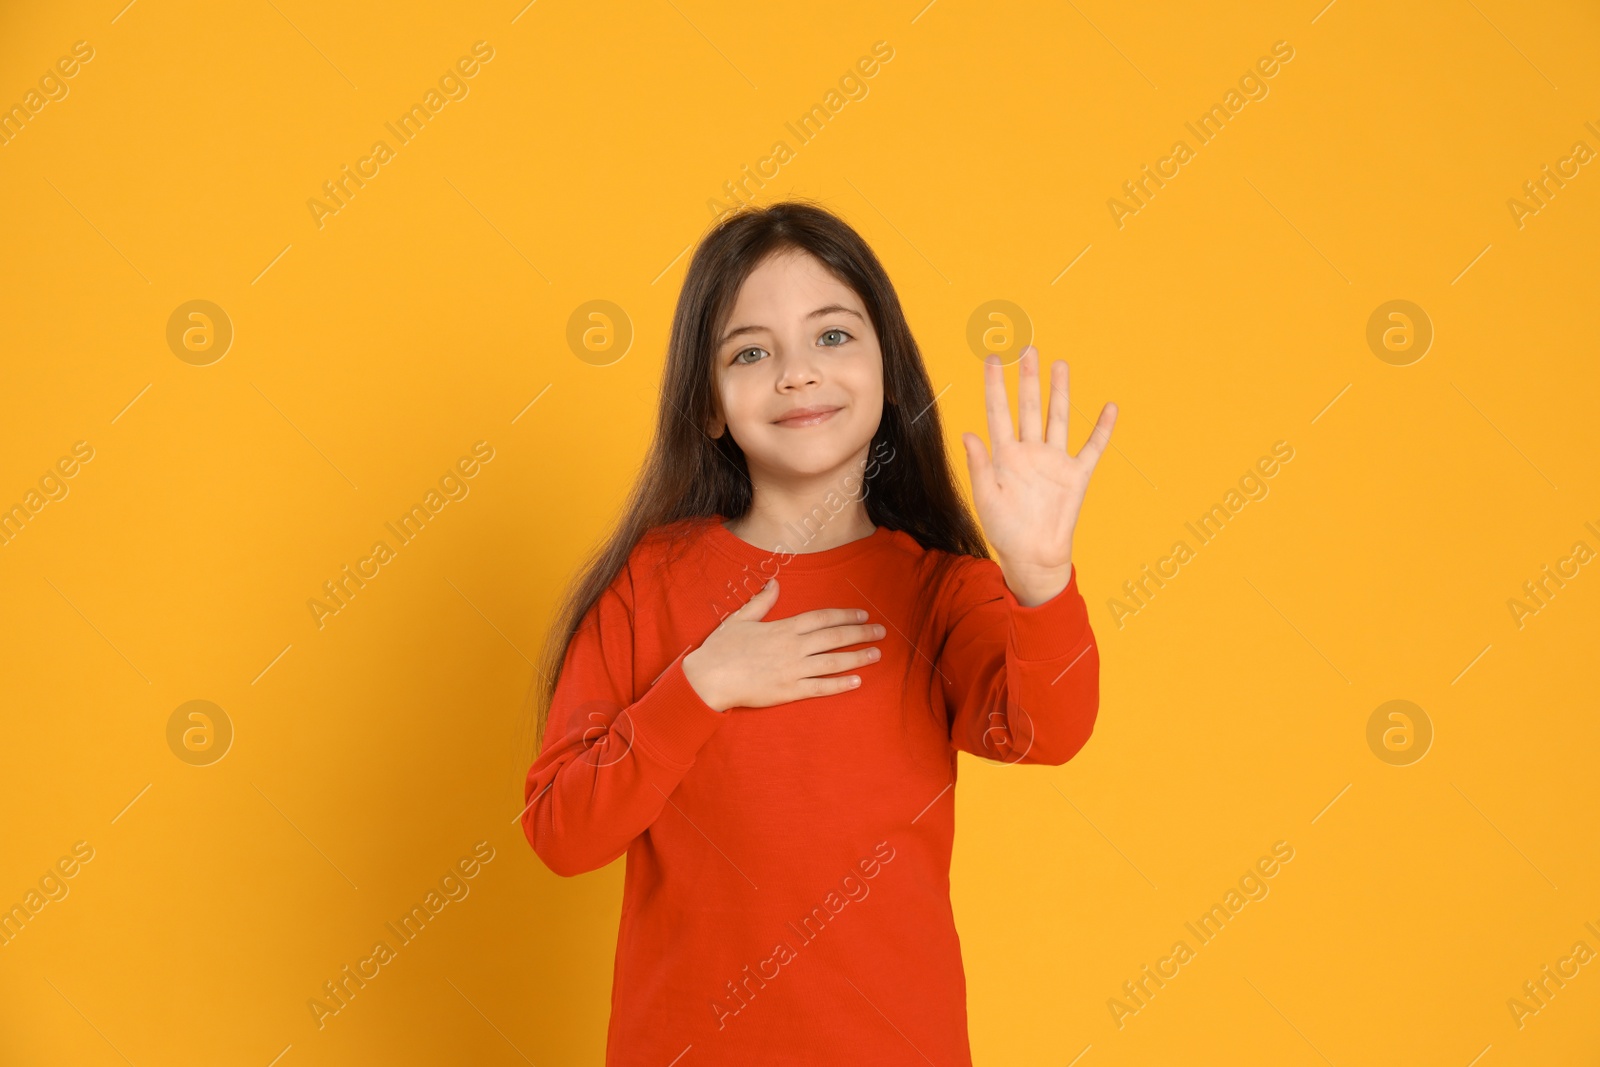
{"type": "Point", "coordinates": [802, 528]}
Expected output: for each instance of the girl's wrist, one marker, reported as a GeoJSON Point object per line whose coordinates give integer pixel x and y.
{"type": "Point", "coordinates": [697, 681]}
{"type": "Point", "coordinates": [1033, 586]}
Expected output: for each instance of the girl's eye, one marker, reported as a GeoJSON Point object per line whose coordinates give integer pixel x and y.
{"type": "Point", "coordinates": [842, 335]}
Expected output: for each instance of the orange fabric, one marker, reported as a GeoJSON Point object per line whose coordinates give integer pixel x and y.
{"type": "Point", "coordinates": [786, 897]}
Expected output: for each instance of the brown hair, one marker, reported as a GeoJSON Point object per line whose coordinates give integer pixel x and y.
{"type": "Point", "coordinates": [688, 475]}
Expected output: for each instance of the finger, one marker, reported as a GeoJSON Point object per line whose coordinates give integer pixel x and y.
{"type": "Point", "coordinates": [995, 401]}
{"type": "Point", "coordinates": [1100, 437]}
{"type": "Point", "coordinates": [821, 618]}
{"type": "Point", "coordinates": [822, 687]}
{"type": "Point", "coordinates": [834, 662]}
{"type": "Point", "coordinates": [839, 636]}
{"type": "Point", "coordinates": [979, 465]}
{"type": "Point", "coordinates": [1056, 433]}
{"type": "Point", "coordinates": [755, 609]}
{"type": "Point", "coordinates": [1029, 417]}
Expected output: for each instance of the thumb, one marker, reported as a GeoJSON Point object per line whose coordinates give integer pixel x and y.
{"type": "Point", "coordinates": [978, 463]}
{"type": "Point", "coordinates": [756, 608]}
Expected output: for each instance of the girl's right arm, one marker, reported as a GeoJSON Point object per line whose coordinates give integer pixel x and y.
{"type": "Point", "coordinates": [609, 762]}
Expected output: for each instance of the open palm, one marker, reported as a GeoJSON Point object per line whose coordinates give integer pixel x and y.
{"type": "Point", "coordinates": [1029, 491]}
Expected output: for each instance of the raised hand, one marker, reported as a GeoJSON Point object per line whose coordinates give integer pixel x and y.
{"type": "Point", "coordinates": [1029, 492]}
{"type": "Point", "coordinates": [747, 663]}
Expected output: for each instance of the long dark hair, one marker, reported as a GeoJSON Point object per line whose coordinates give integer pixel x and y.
{"type": "Point", "coordinates": [689, 475]}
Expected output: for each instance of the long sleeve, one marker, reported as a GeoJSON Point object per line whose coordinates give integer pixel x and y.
{"type": "Point", "coordinates": [609, 761]}
{"type": "Point", "coordinates": [1022, 684]}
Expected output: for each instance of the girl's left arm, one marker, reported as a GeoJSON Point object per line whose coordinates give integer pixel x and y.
{"type": "Point", "coordinates": [1022, 684]}
{"type": "Point", "coordinates": [1020, 667]}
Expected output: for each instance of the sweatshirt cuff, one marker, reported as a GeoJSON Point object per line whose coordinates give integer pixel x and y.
{"type": "Point", "coordinates": [671, 722]}
{"type": "Point", "coordinates": [1052, 630]}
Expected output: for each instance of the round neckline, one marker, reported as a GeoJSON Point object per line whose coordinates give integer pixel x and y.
{"type": "Point", "coordinates": [741, 551]}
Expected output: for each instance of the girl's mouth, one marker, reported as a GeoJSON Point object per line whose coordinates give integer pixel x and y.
{"type": "Point", "coordinates": [813, 418]}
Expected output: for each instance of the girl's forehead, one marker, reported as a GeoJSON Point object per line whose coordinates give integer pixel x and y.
{"type": "Point", "coordinates": [790, 264]}
{"type": "Point", "coordinates": [794, 277]}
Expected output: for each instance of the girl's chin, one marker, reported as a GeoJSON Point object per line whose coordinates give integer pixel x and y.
{"type": "Point", "coordinates": [802, 463]}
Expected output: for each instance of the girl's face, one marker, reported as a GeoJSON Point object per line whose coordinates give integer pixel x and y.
{"type": "Point", "coordinates": [798, 339]}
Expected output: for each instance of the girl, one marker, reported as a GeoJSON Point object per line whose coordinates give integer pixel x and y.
{"type": "Point", "coordinates": [758, 688]}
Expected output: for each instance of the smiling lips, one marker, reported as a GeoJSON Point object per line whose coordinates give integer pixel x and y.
{"type": "Point", "coordinates": [802, 417]}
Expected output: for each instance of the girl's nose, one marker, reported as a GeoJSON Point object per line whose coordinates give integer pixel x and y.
{"type": "Point", "coordinates": [796, 366]}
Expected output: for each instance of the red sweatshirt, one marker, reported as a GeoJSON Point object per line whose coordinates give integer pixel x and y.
{"type": "Point", "coordinates": [787, 891]}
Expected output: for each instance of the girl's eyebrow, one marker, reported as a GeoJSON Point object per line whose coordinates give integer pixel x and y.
{"type": "Point", "coordinates": [829, 309]}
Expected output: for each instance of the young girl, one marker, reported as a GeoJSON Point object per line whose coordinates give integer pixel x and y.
{"type": "Point", "coordinates": [758, 688]}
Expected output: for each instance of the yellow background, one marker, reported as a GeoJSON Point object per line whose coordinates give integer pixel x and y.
{"type": "Point", "coordinates": [1230, 313]}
